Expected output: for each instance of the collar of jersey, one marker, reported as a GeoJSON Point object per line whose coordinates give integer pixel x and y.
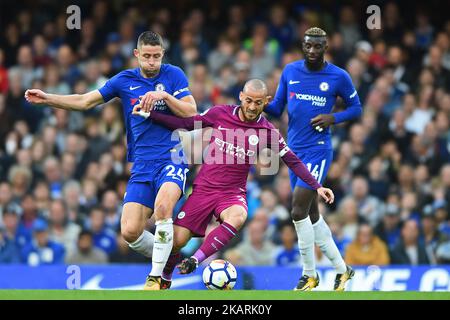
{"type": "Point", "coordinates": [305, 68]}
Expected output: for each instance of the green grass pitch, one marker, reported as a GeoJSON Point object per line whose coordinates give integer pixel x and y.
{"type": "Point", "coordinates": [216, 295]}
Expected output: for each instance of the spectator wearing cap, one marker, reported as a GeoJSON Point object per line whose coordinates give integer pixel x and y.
{"type": "Point", "coordinates": [409, 250]}
{"type": "Point", "coordinates": [388, 229]}
{"type": "Point", "coordinates": [86, 253]}
{"type": "Point", "coordinates": [367, 249]}
{"type": "Point", "coordinates": [431, 235]}
{"type": "Point", "coordinates": [13, 229]}
{"type": "Point", "coordinates": [42, 250]}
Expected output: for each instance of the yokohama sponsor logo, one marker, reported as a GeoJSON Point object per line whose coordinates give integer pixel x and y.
{"type": "Point", "coordinates": [316, 100]}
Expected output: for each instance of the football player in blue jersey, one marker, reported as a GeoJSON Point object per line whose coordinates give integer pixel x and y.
{"type": "Point", "coordinates": [310, 87]}
{"type": "Point", "coordinates": [158, 175]}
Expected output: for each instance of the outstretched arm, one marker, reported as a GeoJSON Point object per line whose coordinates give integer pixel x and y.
{"type": "Point", "coordinates": [203, 120]}
{"type": "Point", "coordinates": [77, 102]}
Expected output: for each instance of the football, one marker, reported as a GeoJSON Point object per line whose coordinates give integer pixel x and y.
{"type": "Point", "coordinates": [220, 275]}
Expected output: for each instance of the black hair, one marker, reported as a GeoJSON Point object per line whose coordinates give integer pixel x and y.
{"type": "Point", "coordinates": [85, 232]}
{"type": "Point", "coordinates": [150, 38]}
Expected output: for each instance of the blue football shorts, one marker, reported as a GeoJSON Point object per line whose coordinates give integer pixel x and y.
{"type": "Point", "coordinates": [318, 163]}
{"type": "Point", "coordinates": [147, 177]}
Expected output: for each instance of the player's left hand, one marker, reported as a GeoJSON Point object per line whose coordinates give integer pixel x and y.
{"type": "Point", "coordinates": [137, 111]}
{"type": "Point", "coordinates": [148, 99]}
{"type": "Point", "coordinates": [326, 194]}
{"type": "Point", "coordinates": [322, 121]}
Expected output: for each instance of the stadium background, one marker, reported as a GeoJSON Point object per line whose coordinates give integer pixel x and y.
{"type": "Point", "coordinates": [63, 172]}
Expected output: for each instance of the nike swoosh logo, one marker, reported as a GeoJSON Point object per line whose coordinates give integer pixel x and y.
{"type": "Point", "coordinates": [222, 128]}
{"type": "Point", "coordinates": [215, 238]}
{"type": "Point", "coordinates": [133, 88]}
{"type": "Point", "coordinates": [293, 82]}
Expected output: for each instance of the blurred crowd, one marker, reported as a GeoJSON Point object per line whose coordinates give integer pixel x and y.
{"type": "Point", "coordinates": [63, 174]}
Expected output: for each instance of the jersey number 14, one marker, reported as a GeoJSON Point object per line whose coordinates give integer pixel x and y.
{"type": "Point", "coordinates": [317, 171]}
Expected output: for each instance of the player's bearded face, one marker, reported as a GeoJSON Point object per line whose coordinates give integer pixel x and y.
{"type": "Point", "coordinates": [150, 59]}
{"type": "Point", "coordinates": [252, 104]}
{"type": "Point", "coordinates": [314, 49]}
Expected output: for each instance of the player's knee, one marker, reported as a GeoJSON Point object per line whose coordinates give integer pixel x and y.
{"type": "Point", "coordinates": [237, 220]}
{"type": "Point", "coordinates": [298, 213]}
{"type": "Point", "coordinates": [130, 234]}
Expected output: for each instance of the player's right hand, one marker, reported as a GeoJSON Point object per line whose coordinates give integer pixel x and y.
{"type": "Point", "coordinates": [36, 96]}
{"type": "Point", "coordinates": [138, 111]}
{"type": "Point", "coordinates": [326, 194]}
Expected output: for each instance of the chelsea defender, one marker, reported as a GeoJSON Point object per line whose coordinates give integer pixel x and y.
{"type": "Point", "coordinates": [159, 173]}
{"type": "Point", "coordinates": [309, 87]}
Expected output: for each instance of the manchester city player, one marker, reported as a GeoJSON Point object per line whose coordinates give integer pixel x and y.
{"type": "Point", "coordinates": [157, 178]}
{"type": "Point", "coordinates": [240, 132]}
{"type": "Point", "coordinates": [309, 87]}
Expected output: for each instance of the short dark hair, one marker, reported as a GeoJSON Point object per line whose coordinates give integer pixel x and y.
{"type": "Point", "coordinates": [85, 232]}
{"type": "Point", "coordinates": [95, 208]}
{"type": "Point", "coordinates": [150, 38]}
